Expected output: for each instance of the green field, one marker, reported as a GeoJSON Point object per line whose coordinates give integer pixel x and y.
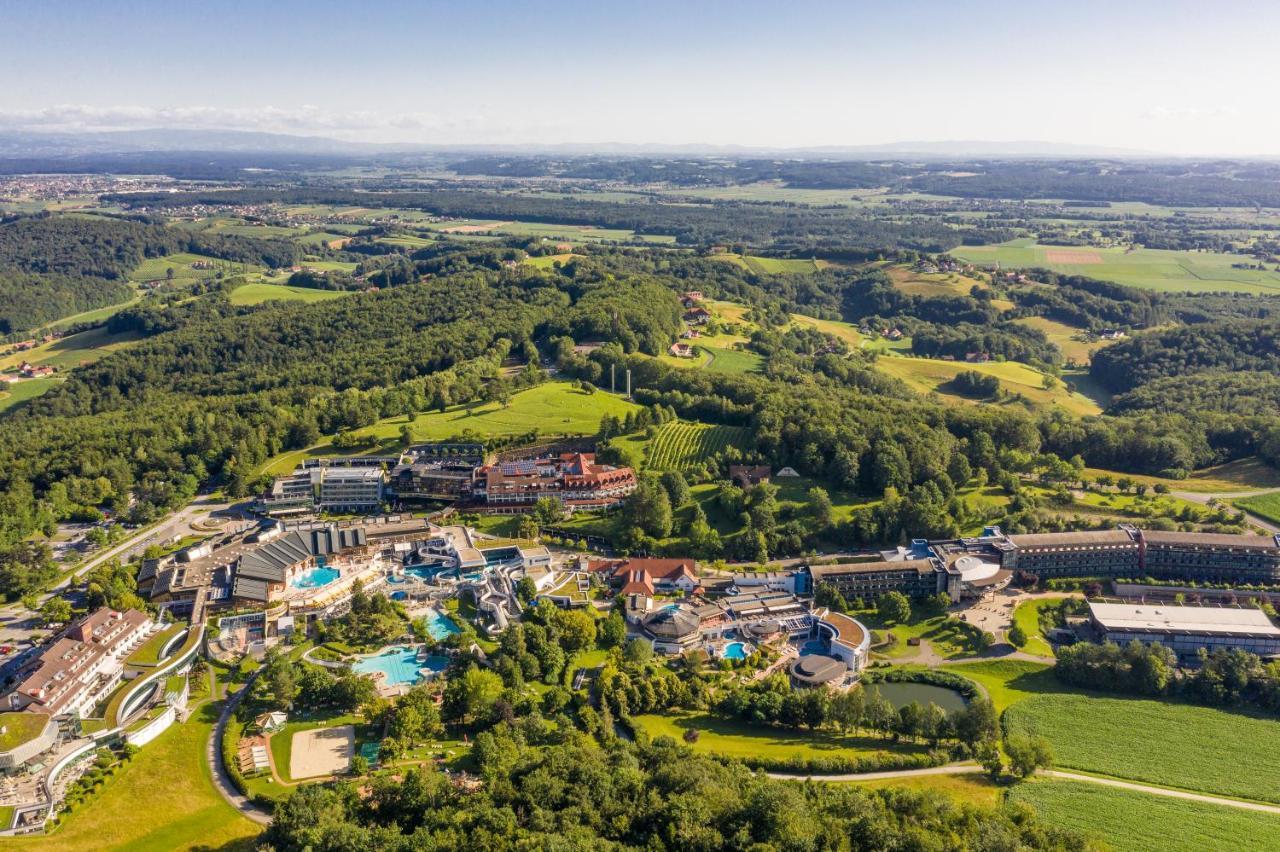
{"type": "Point", "coordinates": [1130, 821]}
{"type": "Point", "coordinates": [1066, 338]}
{"type": "Point", "coordinates": [1009, 681]}
{"type": "Point", "coordinates": [157, 268]}
{"type": "Point", "coordinates": [164, 799]}
{"type": "Point", "coordinates": [928, 375]}
{"type": "Point", "coordinates": [1263, 505]}
{"type": "Point", "coordinates": [259, 291]}
{"type": "Point", "coordinates": [734, 738]}
{"type": "Point", "coordinates": [1151, 269]}
{"type": "Point", "coordinates": [72, 351]}
{"type": "Point", "coordinates": [733, 361]}
{"type": "Point", "coordinates": [1159, 742]}
{"type": "Point", "coordinates": [681, 445]}
{"type": "Point", "coordinates": [552, 408]}
{"type": "Point", "coordinates": [1027, 616]}
{"type": "Point", "coordinates": [19, 392]}
{"type": "Point", "coordinates": [772, 265]}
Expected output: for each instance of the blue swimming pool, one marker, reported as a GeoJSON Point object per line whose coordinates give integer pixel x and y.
{"type": "Point", "coordinates": [314, 578]}
{"type": "Point", "coordinates": [440, 626]}
{"type": "Point", "coordinates": [814, 646]}
{"type": "Point", "coordinates": [734, 651]}
{"type": "Point", "coordinates": [399, 666]}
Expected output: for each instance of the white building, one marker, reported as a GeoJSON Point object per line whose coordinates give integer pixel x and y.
{"type": "Point", "coordinates": [1187, 629]}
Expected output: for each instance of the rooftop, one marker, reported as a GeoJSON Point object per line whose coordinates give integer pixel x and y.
{"type": "Point", "coordinates": [1184, 619]}
{"type": "Point", "coordinates": [19, 728]}
{"type": "Point", "coordinates": [817, 669]}
{"type": "Point", "coordinates": [920, 566]}
{"type": "Point", "coordinates": [1073, 539]}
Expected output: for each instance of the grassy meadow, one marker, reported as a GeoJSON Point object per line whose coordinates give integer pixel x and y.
{"type": "Point", "coordinates": [929, 375]}
{"type": "Point", "coordinates": [1263, 505]}
{"type": "Point", "coordinates": [1129, 821]}
{"type": "Point", "coordinates": [1149, 269]}
{"type": "Point", "coordinates": [257, 292]}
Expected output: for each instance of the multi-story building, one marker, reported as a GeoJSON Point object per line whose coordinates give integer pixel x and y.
{"type": "Point", "coordinates": [1187, 629]}
{"type": "Point", "coordinates": [84, 665]}
{"type": "Point", "coordinates": [293, 559]}
{"type": "Point", "coordinates": [333, 487]}
{"type": "Point", "coordinates": [912, 577]}
{"type": "Point", "coordinates": [575, 479]}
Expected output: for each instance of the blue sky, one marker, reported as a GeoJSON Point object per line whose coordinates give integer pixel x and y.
{"type": "Point", "coordinates": [1177, 77]}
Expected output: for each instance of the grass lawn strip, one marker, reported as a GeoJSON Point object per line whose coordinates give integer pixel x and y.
{"type": "Point", "coordinates": [1130, 821]}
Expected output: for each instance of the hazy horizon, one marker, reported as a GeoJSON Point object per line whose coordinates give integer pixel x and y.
{"type": "Point", "coordinates": [1171, 78]}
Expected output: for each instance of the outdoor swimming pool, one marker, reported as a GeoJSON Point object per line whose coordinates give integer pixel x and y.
{"type": "Point", "coordinates": [400, 666]}
{"type": "Point", "coordinates": [314, 578]}
{"type": "Point", "coordinates": [440, 626]}
{"type": "Point", "coordinates": [814, 646]}
{"type": "Point", "coordinates": [734, 651]}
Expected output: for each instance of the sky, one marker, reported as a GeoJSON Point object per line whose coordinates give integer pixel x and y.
{"type": "Point", "coordinates": [1188, 78]}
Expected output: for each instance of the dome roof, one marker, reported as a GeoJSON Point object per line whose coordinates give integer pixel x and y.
{"type": "Point", "coordinates": [763, 628]}
{"type": "Point", "coordinates": [817, 669]}
{"type": "Point", "coordinates": [973, 568]}
{"type": "Point", "coordinates": [672, 623]}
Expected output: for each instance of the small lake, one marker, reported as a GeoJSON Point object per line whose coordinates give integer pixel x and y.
{"type": "Point", "coordinates": [902, 694]}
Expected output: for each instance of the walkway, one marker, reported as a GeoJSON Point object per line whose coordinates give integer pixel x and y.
{"type": "Point", "coordinates": [973, 768]}
{"type": "Point", "coordinates": [213, 753]}
{"type": "Point", "coordinates": [1227, 497]}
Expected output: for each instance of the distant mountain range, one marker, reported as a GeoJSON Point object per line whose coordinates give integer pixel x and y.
{"type": "Point", "coordinates": [24, 144]}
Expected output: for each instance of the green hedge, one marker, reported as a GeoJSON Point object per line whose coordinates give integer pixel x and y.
{"type": "Point", "coordinates": [933, 677]}
{"type": "Point", "coordinates": [844, 765]}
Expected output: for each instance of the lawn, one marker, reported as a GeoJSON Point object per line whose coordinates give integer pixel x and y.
{"type": "Point", "coordinates": [164, 799]}
{"type": "Point", "coordinates": [20, 392]}
{"type": "Point", "coordinates": [942, 633]}
{"type": "Point", "coordinates": [148, 654]}
{"type": "Point", "coordinates": [927, 375]}
{"type": "Point", "coordinates": [732, 361]}
{"type": "Point", "coordinates": [1160, 742]}
{"type": "Point", "coordinates": [1009, 681]}
{"type": "Point", "coordinates": [737, 739]}
{"type": "Point", "coordinates": [258, 292]}
{"type": "Point", "coordinates": [1263, 505]}
{"type": "Point", "coordinates": [1130, 821]}
{"type": "Point", "coordinates": [1027, 616]}
{"type": "Point", "coordinates": [182, 264]}
{"type": "Point", "coordinates": [73, 350]}
{"type": "Point", "coordinates": [548, 261]}
{"type": "Point", "coordinates": [18, 728]}
{"type": "Point", "coordinates": [971, 789]}
{"type": "Point", "coordinates": [1241, 475]}
{"type": "Point", "coordinates": [1066, 338]}
{"type": "Point", "coordinates": [1150, 269]}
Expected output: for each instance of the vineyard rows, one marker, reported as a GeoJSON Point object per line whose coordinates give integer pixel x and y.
{"type": "Point", "coordinates": [681, 446]}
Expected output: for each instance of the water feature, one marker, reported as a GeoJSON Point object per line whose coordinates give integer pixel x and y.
{"type": "Point", "coordinates": [314, 578]}
{"type": "Point", "coordinates": [734, 651]}
{"type": "Point", "coordinates": [902, 694]}
{"type": "Point", "coordinates": [440, 626]}
{"type": "Point", "coordinates": [400, 666]}
{"type": "Point", "coordinates": [815, 646]}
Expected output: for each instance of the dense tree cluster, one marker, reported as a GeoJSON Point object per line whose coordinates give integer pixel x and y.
{"type": "Point", "coordinates": [1234, 345]}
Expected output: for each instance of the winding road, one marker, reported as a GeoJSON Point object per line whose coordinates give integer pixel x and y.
{"type": "Point", "coordinates": [973, 768]}
{"type": "Point", "coordinates": [213, 753]}
{"type": "Point", "coordinates": [1227, 497]}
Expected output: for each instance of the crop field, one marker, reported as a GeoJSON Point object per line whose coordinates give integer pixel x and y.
{"type": "Point", "coordinates": [1129, 821]}
{"type": "Point", "coordinates": [408, 241]}
{"type": "Point", "coordinates": [588, 233]}
{"type": "Point", "coordinates": [772, 265]}
{"type": "Point", "coordinates": [157, 268]}
{"type": "Point", "coordinates": [1150, 269]}
{"type": "Point", "coordinates": [257, 292]}
{"type": "Point", "coordinates": [321, 238]}
{"type": "Point", "coordinates": [1263, 505]}
{"type": "Point", "coordinates": [927, 375]}
{"type": "Point", "coordinates": [1161, 742]}
{"type": "Point", "coordinates": [680, 445]}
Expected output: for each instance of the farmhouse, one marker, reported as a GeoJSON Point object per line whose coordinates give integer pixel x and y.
{"type": "Point", "coordinates": [697, 316]}
{"type": "Point", "coordinates": [681, 350]}
{"type": "Point", "coordinates": [747, 475]}
{"type": "Point", "coordinates": [82, 667]}
{"type": "Point", "coordinates": [1187, 629]}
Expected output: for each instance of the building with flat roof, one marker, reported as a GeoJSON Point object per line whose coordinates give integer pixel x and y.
{"type": "Point", "coordinates": [326, 485]}
{"type": "Point", "coordinates": [912, 577]}
{"type": "Point", "coordinates": [1187, 629]}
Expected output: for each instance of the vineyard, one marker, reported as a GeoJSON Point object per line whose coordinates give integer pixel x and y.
{"type": "Point", "coordinates": [680, 446]}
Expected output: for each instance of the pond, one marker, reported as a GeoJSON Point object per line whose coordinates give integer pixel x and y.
{"type": "Point", "coordinates": [902, 694]}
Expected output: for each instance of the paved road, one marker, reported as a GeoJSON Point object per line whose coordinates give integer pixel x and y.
{"type": "Point", "coordinates": [213, 753]}
{"type": "Point", "coordinates": [1227, 496]}
{"type": "Point", "coordinates": [971, 768]}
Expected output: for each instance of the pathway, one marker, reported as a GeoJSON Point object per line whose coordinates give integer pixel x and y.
{"type": "Point", "coordinates": [973, 768]}
{"type": "Point", "coordinates": [1227, 497]}
{"type": "Point", "coordinates": [213, 753]}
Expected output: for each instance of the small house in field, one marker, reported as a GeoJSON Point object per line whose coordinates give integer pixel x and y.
{"type": "Point", "coordinates": [681, 350]}
{"type": "Point", "coordinates": [697, 316]}
{"type": "Point", "coordinates": [747, 475]}
{"type": "Point", "coordinates": [690, 334]}
{"type": "Point", "coordinates": [977, 357]}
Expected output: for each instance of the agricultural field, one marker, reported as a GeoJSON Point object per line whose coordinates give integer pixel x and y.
{"type": "Point", "coordinates": [1266, 506]}
{"type": "Point", "coordinates": [408, 241]}
{"type": "Point", "coordinates": [1149, 269]}
{"type": "Point", "coordinates": [183, 266]}
{"type": "Point", "coordinates": [582, 233]}
{"type": "Point", "coordinates": [682, 445]}
{"type": "Point", "coordinates": [93, 316]}
{"type": "Point", "coordinates": [1160, 742]}
{"type": "Point", "coordinates": [1130, 821]}
{"type": "Point", "coordinates": [257, 292]}
{"type": "Point", "coordinates": [548, 261]}
{"type": "Point", "coordinates": [772, 265]}
{"type": "Point", "coordinates": [928, 375]}
{"type": "Point", "coordinates": [552, 408]}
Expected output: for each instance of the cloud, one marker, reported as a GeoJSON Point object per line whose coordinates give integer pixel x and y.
{"type": "Point", "coordinates": [306, 119]}
{"type": "Point", "coordinates": [1193, 112]}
